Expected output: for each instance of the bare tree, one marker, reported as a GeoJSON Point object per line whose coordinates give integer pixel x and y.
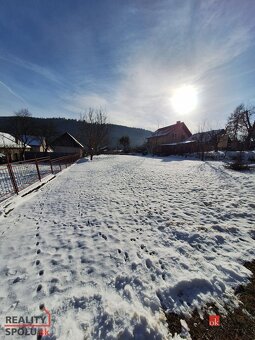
{"type": "Point", "coordinates": [23, 128]}
{"type": "Point", "coordinates": [214, 136]}
{"type": "Point", "coordinates": [241, 126]}
{"type": "Point", "coordinates": [125, 142]}
{"type": "Point", "coordinates": [207, 139]}
{"type": "Point", "coordinates": [200, 138]}
{"type": "Point", "coordinates": [46, 131]}
{"type": "Point", "coordinates": [153, 142]}
{"type": "Point", "coordinates": [95, 130]}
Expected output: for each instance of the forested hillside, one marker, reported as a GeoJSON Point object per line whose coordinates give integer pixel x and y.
{"type": "Point", "coordinates": [137, 136]}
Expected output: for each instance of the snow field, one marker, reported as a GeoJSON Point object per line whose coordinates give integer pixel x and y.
{"type": "Point", "coordinates": [109, 243]}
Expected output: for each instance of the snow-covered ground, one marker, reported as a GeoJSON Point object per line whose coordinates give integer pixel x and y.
{"type": "Point", "coordinates": [107, 244]}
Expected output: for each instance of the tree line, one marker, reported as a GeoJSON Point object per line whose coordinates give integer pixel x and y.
{"type": "Point", "coordinates": [93, 130]}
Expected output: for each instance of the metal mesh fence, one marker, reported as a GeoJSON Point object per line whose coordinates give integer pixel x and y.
{"type": "Point", "coordinates": [6, 187]}
{"type": "Point", "coordinates": [15, 177]}
{"type": "Point", "coordinates": [25, 174]}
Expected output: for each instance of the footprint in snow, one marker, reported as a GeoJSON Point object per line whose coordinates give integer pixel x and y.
{"type": "Point", "coordinates": [153, 277]}
{"type": "Point", "coordinates": [126, 257]}
{"type": "Point", "coordinates": [54, 262]}
{"type": "Point", "coordinates": [83, 259]}
{"type": "Point", "coordinates": [18, 279]}
{"type": "Point", "coordinates": [54, 280]}
{"type": "Point", "coordinates": [148, 263]}
{"type": "Point", "coordinates": [39, 288]}
{"type": "Point", "coordinates": [133, 266]}
{"type": "Point", "coordinates": [41, 306]}
{"type": "Point", "coordinates": [54, 289]}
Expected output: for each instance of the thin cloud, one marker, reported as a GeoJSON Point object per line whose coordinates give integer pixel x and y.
{"type": "Point", "coordinates": [80, 103]}
{"type": "Point", "coordinates": [13, 93]}
{"type": "Point", "coordinates": [162, 62]}
{"type": "Point", "coordinates": [42, 71]}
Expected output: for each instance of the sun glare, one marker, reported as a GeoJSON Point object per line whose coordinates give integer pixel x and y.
{"type": "Point", "coordinates": [184, 99]}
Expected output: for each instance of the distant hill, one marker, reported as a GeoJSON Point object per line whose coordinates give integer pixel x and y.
{"type": "Point", "coordinates": [137, 136]}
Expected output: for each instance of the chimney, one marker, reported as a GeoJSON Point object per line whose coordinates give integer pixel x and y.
{"type": "Point", "coordinates": [178, 122]}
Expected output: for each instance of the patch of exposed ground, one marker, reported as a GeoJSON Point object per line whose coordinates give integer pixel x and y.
{"type": "Point", "coordinates": [238, 324]}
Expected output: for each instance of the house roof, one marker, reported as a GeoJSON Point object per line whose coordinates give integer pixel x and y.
{"type": "Point", "coordinates": [8, 141]}
{"type": "Point", "coordinates": [67, 140]}
{"type": "Point", "coordinates": [206, 136]}
{"type": "Point", "coordinates": [170, 129]}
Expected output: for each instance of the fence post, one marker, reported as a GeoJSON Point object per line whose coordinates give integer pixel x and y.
{"type": "Point", "coordinates": [12, 177]}
{"type": "Point", "coordinates": [37, 168]}
{"type": "Point", "coordinates": [51, 166]}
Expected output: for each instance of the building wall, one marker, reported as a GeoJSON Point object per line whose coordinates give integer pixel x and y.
{"type": "Point", "coordinates": [178, 135]}
{"type": "Point", "coordinates": [37, 148]}
{"type": "Point", "coordinates": [13, 154]}
{"type": "Point", "coordinates": [68, 149]}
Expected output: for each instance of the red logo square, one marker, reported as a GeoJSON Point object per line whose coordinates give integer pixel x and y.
{"type": "Point", "coordinates": [214, 320]}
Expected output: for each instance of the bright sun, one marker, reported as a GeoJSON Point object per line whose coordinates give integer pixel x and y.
{"type": "Point", "coordinates": [184, 99]}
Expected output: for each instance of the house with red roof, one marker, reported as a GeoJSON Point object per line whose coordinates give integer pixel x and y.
{"type": "Point", "coordinates": [171, 134]}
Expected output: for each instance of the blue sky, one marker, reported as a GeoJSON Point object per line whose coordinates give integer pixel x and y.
{"type": "Point", "coordinates": [60, 57]}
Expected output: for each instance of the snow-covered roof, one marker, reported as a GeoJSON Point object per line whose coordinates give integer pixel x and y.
{"type": "Point", "coordinates": [8, 141]}
{"type": "Point", "coordinates": [75, 140]}
{"type": "Point", "coordinates": [178, 143]}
